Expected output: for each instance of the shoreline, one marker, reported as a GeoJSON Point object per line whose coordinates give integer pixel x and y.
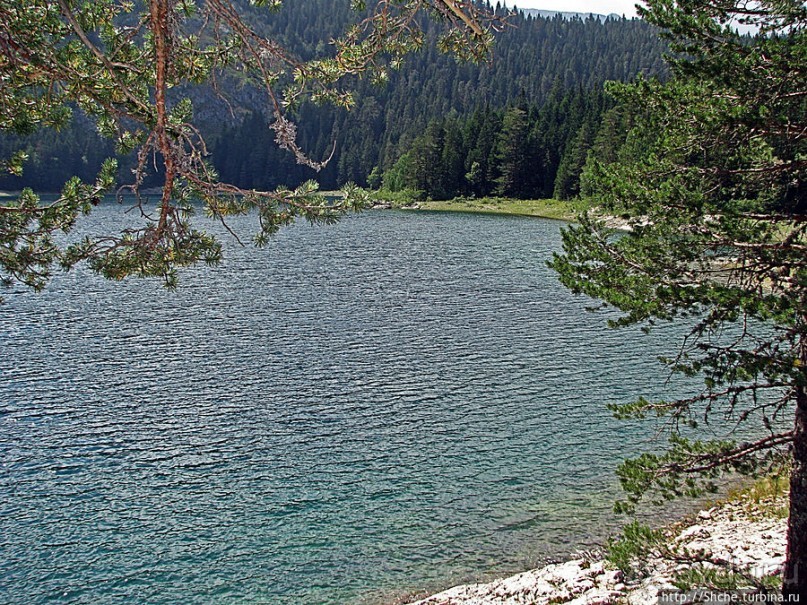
{"type": "Point", "coordinates": [567, 211]}
{"type": "Point", "coordinates": [543, 208]}
{"type": "Point", "coordinates": [745, 533]}
{"type": "Point", "coordinates": [560, 210]}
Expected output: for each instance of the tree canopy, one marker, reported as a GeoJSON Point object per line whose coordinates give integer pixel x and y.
{"type": "Point", "coordinates": [524, 151]}
{"type": "Point", "coordinates": [539, 60]}
{"type": "Point", "coordinates": [129, 67]}
{"type": "Point", "coordinates": [711, 181]}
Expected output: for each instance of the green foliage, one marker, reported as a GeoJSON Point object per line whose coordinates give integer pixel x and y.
{"type": "Point", "coordinates": [27, 226]}
{"type": "Point", "coordinates": [687, 468]}
{"type": "Point", "coordinates": [398, 178]}
{"type": "Point", "coordinates": [635, 544]}
{"type": "Point", "coordinates": [374, 179]}
{"type": "Point", "coordinates": [400, 198]}
{"type": "Point", "coordinates": [574, 54]}
{"type": "Point", "coordinates": [576, 57]}
{"type": "Point", "coordinates": [14, 164]}
{"type": "Point", "coordinates": [130, 69]}
{"type": "Point", "coordinates": [522, 152]}
{"type": "Point", "coordinates": [702, 576]}
{"type": "Point", "coordinates": [767, 494]}
{"type": "Point", "coordinates": [513, 154]}
{"type": "Point", "coordinates": [711, 181]}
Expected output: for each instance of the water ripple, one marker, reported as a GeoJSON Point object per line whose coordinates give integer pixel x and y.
{"type": "Point", "coordinates": [395, 403]}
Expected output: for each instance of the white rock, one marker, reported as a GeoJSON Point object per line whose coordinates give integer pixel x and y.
{"type": "Point", "coordinates": [696, 531]}
{"type": "Point", "coordinates": [728, 534]}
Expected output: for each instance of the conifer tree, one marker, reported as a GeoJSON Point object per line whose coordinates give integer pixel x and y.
{"type": "Point", "coordinates": [712, 180]}
{"type": "Point", "coordinates": [515, 161]}
{"type": "Point", "coordinates": [128, 66]}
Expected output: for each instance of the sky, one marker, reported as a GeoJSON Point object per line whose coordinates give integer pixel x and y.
{"type": "Point", "coordinates": [603, 7]}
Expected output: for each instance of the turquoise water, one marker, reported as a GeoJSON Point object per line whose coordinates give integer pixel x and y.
{"type": "Point", "coordinates": [390, 405]}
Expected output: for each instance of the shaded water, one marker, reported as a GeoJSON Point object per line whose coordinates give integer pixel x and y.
{"type": "Point", "coordinates": [396, 403]}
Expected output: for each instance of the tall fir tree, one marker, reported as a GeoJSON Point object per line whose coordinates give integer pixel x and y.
{"type": "Point", "coordinates": [514, 156]}
{"type": "Point", "coordinates": [712, 179]}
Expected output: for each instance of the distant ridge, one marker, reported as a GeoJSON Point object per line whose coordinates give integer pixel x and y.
{"type": "Point", "coordinates": [547, 14]}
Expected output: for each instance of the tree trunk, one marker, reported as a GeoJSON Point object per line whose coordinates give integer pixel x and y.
{"type": "Point", "coordinates": [795, 574]}
{"type": "Point", "coordinates": [159, 12]}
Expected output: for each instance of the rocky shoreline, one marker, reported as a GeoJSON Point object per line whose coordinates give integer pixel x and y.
{"type": "Point", "coordinates": [743, 535]}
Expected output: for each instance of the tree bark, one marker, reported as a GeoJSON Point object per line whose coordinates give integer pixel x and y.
{"type": "Point", "coordinates": [159, 10]}
{"type": "Point", "coordinates": [795, 574]}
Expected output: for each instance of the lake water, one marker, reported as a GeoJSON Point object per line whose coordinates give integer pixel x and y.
{"type": "Point", "coordinates": [394, 404]}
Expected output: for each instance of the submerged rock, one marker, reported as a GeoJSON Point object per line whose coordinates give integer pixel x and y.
{"type": "Point", "coordinates": [731, 536]}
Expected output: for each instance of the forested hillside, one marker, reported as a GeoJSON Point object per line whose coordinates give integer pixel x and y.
{"type": "Point", "coordinates": [538, 63]}
{"type": "Point", "coordinates": [523, 151]}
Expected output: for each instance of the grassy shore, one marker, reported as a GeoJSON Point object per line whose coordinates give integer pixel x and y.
{"type": "Point", "coordinates": [553, 209]}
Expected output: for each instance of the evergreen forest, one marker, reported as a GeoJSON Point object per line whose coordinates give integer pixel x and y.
{"type": "Point", "coordinates": [519, 125]}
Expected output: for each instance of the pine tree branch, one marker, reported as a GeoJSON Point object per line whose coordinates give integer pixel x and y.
{"type": "Point", "coordinates": [112, 68]}
{"type": "Point", "coordinates": [472, 25]}
{"type": "Point", "coordinates": [709, 462]}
